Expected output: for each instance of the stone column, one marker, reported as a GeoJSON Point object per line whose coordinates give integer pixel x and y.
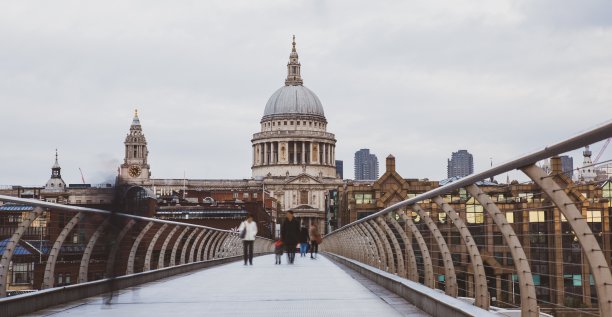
{"type": "Point", "coordinates": [294, 152]}
{"type": "Point", "coordinates": [323, 147]}
{"type": "Point", "coordinates": [303, 152]}
{"type": "Point", "coordinates": [277, 151]}
{"type": "Point", "coordinates": [265, 153]}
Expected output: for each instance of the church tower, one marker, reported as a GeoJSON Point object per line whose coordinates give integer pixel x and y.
{"type": "Point", "coordinates": [55, 183]}
{"type": "Point", "coordinates": [135, 168]}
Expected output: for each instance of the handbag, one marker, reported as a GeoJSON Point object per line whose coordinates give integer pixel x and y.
{"type": "Point", "coordinates": [242, 233]}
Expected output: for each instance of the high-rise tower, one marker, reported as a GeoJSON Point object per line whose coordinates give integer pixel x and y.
{"type": "Point", "coordinates": [366, 165]}
{"type": "Point", "coordinates": [460, 164]}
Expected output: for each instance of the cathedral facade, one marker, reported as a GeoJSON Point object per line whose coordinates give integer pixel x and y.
{"type": "Point", "coordinates": [293, 156]}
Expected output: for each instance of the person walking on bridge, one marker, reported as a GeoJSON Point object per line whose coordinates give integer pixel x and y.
{"type": "Point", "coordinates": [315, 239]}
{"type": "Point", "coordinates": [290, 235]}
{"type": "Point", "coordinates": [303, 241]}
{"type": "Point", "coordinates": [248, 237]}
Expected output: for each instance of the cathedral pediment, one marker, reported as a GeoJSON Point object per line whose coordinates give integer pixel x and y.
{"type": "Point", "coordinates": [303, 179]}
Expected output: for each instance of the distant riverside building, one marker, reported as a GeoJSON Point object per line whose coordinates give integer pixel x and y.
{"type": "Point", "coordinates": [587, 172]}
{"type": "Point", "coordinates": [460, 164]}
{"type": "Point", "coordinates": [339, 169]}
{"type": "Point", "coordinates": [567, 165]}
{"type": "Point", "coordinates": [366, 165]}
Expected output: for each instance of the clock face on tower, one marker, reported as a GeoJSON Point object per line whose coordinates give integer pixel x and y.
{"type": "Point", "coordinates": [134, 171]}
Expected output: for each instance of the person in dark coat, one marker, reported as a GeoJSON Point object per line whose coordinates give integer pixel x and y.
{"type": "Point", "coordinates": [290, 235]}
{"type": "Point", "coordinates": [303, 241]}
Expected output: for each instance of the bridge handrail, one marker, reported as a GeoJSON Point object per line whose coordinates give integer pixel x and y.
{"type": "Point", "coordinates": [185, 242]}
{"type": "Point", "coordinates": [382, 241]}
{"type": "Point", "coordinates": [55, 206]}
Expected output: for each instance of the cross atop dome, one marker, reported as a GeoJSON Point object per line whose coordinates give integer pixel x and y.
{"type": "Point", "coordinates": [135, 127]}
{"type": "Point", "coordinates": [293, 68]}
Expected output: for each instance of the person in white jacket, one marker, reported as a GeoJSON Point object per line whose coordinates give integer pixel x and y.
{"type": "Point", "coordinates": [249, 238]}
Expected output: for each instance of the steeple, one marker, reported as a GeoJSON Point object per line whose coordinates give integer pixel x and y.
{"type": "Point", "coordinates": [293, 68]}
{"type": "Point", "coordinates": [56, 165]}
{"type": "Point", "coordinates": [135, 168]}
{"type": "Point", "coordinates": [55, 183]}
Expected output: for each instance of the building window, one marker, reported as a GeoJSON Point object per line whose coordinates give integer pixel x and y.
{"type": "Point", "coordinates": [254, 195]}
{"type": "Point", "coordinates": [442, 217]}
{"type": "Point", "coordinates": [285, 122]}
{"type": "Point", "coordinates": [245, 195]}
{"type": "Point", "coordinates": [235, 195]}
{"type": "Point", "coordinates": [304, 197]}
{"type": "Point", "coordinates": [606, 190]}
{"type": "Point", "coordinates": [363, 198]}
{"type": "Point", "coordinates": [23, 273]}
{"type": "Point", "coordinates": [536, 216]}
{"type": "Point", "coordinates": [473, 211]}
{"type": "Point", "coordinates": [298, 123]}
{"type": "Point", "coordinates": [510, 216]}
{"type": "Point", "coordinates": [593, 215]}
{"type": "Point", "coordinates": [291, 122]}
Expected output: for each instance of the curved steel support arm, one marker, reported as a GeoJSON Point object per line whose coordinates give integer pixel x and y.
{"type": "Point", "coordinates": [84, 267]}
{"type": "Point", "coordinates": [449, 267]}
{"type": "Point", "coordinates": [590, 247]}
{"type": "Point", "coordinates": [427, 265]}
{"type": "Point", "coordinates": [49, 278]}
{"type": "Point", "coordinates": [9, 250]}
{"type": "Point", "coordinates": [529, 303]}
{"type": "Point", "coordinates": [480, 277]}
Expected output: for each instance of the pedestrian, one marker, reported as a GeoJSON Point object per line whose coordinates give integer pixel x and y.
{"type": "Point", "coordinates": [315, 239]}
{"type": "Point", "coordinates": [278, 250]}
{"type": "Point", "coordinates": [303, 241]}
{"type": "Point", "coordinates": [248, 238]}
{"type": "Point", "coordinates": [290, 235]}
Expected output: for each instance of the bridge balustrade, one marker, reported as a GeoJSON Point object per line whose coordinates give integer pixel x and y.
{"type": "Point", "coordinates": [54, 245]}
{"type": "Point", "coordinates": [532, 246]}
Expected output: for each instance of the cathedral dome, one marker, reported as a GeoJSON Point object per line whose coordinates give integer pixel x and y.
{"type": "Point", "coordinates": [293, 100]}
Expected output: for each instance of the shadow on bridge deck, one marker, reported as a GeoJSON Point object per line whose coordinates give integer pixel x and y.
{"type": "Point", "coordinates": [307, 288]}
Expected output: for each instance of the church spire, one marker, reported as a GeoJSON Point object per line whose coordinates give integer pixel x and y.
{"type": "Point", "coordinates": [56, 165]}
{"type": "Point", "coordinates": [293, 68]}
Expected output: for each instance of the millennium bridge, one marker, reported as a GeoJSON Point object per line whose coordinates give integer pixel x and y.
{"type": "Point", "coordinates": [422, 256]}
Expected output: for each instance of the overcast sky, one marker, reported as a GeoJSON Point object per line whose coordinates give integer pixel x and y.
{"type": "Point", "coordinates": [418, 79]}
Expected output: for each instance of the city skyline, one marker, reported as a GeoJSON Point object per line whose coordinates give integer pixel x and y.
{"type": "Point", "coordinates": [72, 76]}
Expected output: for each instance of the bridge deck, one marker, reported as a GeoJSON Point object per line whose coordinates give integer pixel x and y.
{"type": "Point", "coordinates": [307, 288]}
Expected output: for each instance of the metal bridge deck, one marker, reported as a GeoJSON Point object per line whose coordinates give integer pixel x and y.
{"type": "Point", "coordinates": [307, 288]}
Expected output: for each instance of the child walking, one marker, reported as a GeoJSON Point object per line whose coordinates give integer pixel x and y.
{"type": "Point", "coordinates": [278, 250]}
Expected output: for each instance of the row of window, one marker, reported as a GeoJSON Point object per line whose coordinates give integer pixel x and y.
{"type": "Point", "coordinates": [291, 122]}
{"type": "Point", "coordinates": [235, 195]}
{"type": "Point", "coordinates": [474, 214]}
